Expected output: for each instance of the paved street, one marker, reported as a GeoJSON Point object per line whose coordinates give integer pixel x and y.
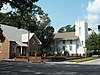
{"type": "Point", "coordinates": [23, 68]}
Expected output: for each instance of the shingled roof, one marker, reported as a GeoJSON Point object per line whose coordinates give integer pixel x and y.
{"type": "Point", "coordinates": [66, 36]}
{"type": "Point", "coordinates": [14, 34]}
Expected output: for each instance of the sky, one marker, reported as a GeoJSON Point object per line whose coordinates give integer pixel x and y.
{"type": "Point", "coordinates": [65, 12]}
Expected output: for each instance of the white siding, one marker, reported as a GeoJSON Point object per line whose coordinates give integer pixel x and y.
{"type": "Point", "coordinates": [83, 33]}
{"type": "Point", "coordinates": [25, 37]}
{"type": "Point", "coordinates": [67, 46]}
{"type": "Point", "coordinates": [81, 30]}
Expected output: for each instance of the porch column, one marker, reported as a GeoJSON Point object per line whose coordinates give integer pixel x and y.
{"type": "Point", "coordinates": [21, 50]}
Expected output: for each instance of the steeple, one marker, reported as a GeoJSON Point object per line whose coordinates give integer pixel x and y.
{"type": "Point", "coordinates": [81, 30]}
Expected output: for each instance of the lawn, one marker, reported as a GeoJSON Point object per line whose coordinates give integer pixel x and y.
{"type": "Point", "coordinates": [81, 60]}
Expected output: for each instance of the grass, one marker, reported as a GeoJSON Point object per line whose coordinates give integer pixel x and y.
{"type": "Point", "coordinates": [81, 60]}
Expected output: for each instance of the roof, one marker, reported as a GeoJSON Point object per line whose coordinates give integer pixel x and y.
{"type": "Point", "coordinates": [25, 37]}
{"type": "Point", "coordinates": [66, 36]}
{"type": "Point", "coordinates": [15, 34]}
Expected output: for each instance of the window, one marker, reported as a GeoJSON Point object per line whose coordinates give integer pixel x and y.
{"type": "Point", "coordinates": [33, 41]}
{"type": "Point", "coordinates": [82, 42]}
{"type": "Point", "coordinates": [70, 41]}
{"type": "Point", "coordinates": [64, 48]}
{"type": "Point", "coordinates": [13, 48]}
{"type": "Point", "coordinates": [70, 48]}
{"type": "Point", "coordinates": [79, 30]}
{"type": "Point", "coordinates": [77, 45]}
{"type": "Point", "coordinates": [63, 41]}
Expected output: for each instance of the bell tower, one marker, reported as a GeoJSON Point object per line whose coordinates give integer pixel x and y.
{"type": "Point", "coordinates": [81, 30]}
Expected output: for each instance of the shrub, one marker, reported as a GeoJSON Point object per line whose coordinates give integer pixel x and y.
{"type": "Point", "coordinates": [21, 57]}
{"type": "Point", "coordinates": [44, 51]}
{"type": "Point", "coordinates": [89, 53]}
{"type": "Point", "coordinates": [37, 52]}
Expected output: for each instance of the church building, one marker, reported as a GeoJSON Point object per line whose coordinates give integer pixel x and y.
{"type": "Point", "coordinates": [72, 42]}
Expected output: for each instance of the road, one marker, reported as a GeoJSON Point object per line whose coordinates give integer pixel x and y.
{"type": "Point", "coordinates": [23, 68]}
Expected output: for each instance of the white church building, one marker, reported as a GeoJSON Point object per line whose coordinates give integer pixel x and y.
{"type": "Point", "coordinates": [72, 42]}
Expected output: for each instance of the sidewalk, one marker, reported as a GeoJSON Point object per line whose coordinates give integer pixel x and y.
{"type": "Point", "coordinates": [64, 62]}
{"type": "Point", "coordinates": [8, 60]}
{"type": "Point", "coordinates": [91, 62]}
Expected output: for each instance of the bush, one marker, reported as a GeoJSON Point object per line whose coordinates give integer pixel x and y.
{"type": "Point", "coordinates": [21, 57]}
{"type": "Point", "coordinates": [32, 53]}
{"type": "Point", "coordinates": [89, 53]}
{"type": "Point", "coordinates": [37, 52]}
{"type": "Point", "coordinates": [96, 52]}
{"type": "Point", "coordinates": [45, 51]}
{"type": "Point", "coordinates": [56, 58]}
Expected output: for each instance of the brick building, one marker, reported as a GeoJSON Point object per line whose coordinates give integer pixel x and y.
{"type": "Point", "coordinates": [16, 42]}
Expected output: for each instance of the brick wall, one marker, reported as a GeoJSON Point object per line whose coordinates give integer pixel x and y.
{"type": "Point", "coordinates": [5, 49]}
{"type": "Point", "coordinates": [35, 45]}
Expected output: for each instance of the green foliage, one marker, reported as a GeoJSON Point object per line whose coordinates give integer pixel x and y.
{"type": "Point", "coordinates": [47, 37]}
{"type": "Point", "coordinates": [33, 52]}
{"type": "Point", "coordinates": [21, 57]}
{"type": "Point", "coordinates": [2, 38]}
{"type": "Point", "coordinates": [89, 29]}
{"type": "Point", "coordinates": [22, 6]}
{"type": "Point", "coordinates": [61, 30]}
{"type": "Point", "coordinates": [28, 15]}
{"type": "Point", "coordinates": [89, 53]}
{"type": "Point", "coordinates": [67, 28]}
{"type": "Point", "coordinates": [45, 51]}
{"type": "Point", "coordinates": [81, 60]}
{"type": "Point", "coordinates": [93, 42]}
{"type": "Point", "coordinates": [28, 19]}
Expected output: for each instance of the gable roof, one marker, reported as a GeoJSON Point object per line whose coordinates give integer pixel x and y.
{"type": "Point", "coordinates": [14, 34]}
{"type": "Point", "coordinates": [66, 36]}
{"type": "Point", "coordinates": [25, 37]}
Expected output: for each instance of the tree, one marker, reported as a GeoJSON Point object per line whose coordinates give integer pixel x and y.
{"type": "Point", "coordinates": [20, 6]}
{"type": "Point", "coordinates": [48, 37]}
{"type": "Point", "coordinates": [89, 29]}
{"type": "Point", "coordinates": [67, 28]}
{"type": "Point", "coordinates": [61, 30]}
{"type": "Point", "coordinates": [20, 10]}
{"type": "Point", "coordinates": [36, 19]}
{"type": "Point", "coordinates": [93, 42]}
{"type": "Point", "coordinates": [28, 16]}
{"type": "Point", "coordinates": [2, 38]}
